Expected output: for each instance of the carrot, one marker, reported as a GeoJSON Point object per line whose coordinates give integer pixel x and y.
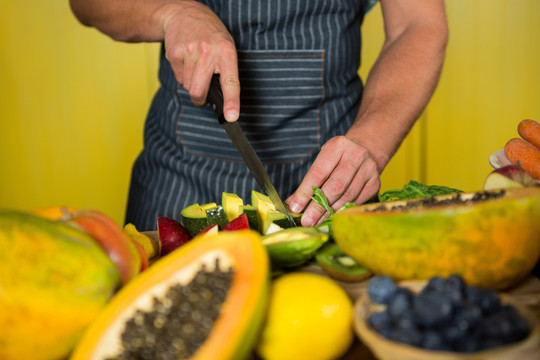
{"type": "Point", "coordinates": [523, 153]}
{"type": "Point", "coordinates": [530, 130]}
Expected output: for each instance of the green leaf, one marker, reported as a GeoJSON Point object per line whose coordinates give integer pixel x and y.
{"type": "Point", "coordinates": [346, 206]}
{"type": "Point", "coordinates": [416, 190]}
{"type": "Point", "coordinates": [321, 199]}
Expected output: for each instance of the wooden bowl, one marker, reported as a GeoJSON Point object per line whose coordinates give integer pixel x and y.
{"type": "Point", "coordinates": [385, 349]}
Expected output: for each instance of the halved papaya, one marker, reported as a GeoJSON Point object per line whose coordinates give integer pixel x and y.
{"type": "Point", "coordinates": [205, 300]}
{"type": "Point", "coordinates": [491, 238]}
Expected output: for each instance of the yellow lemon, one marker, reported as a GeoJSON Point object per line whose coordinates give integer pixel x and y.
{"type": "Point", "coordinates": [309, 317]}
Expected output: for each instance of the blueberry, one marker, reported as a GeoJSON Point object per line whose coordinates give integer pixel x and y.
{"type": "Point", "coordinates": [381, 289]}
{"type": "Point", "coordinates": [472, 294]}
{"type": "Point", "coordinates": [469, 344]}
{"type": "Point", "coordinates": [453, 333]}
{"type": "Point", "coordinates": [506, 325]}
{"type": "Point", "coordinates": [436, 283]}
{"type": "Point", "coordinates": [400, 303]}
{"type": "Point", "coordinates": [467, 316]}
{"type": "Point", "coordinates": [486, 299]}
{"type": "Point", "coordinates": [379, 321]}
{"type": "Point", "coordinates": [432, 309]}
{"type": "Point", "coordinates": [454, 289]}
{"type": "Point", "coordinates": [409, 337]}
{"type": "Point", "coordinates": [432, 340]}
{"type": "Point", "coordinates": [455, 282]}
{"type": "Point", "coordinates": [405, 321]}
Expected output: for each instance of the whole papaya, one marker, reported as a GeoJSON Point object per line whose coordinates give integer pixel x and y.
{"type": "Point", "coordinates": [54, 280]}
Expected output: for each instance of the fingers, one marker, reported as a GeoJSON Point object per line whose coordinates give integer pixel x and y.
{"type": "Point", "coordinates": [363, 187]}
{"type": "Point", "coordinates": [317, 174]}
{"type": "Point", "coordinates": [344, 171]}
{"type": "Point", "coordinates": [195, 68]}
{"type": "Point", "coordinates": [198, 45]}
{"type": "Point", "coordinates": [230, 86]}
{"type": "Point", "coordinates": [229, 81]}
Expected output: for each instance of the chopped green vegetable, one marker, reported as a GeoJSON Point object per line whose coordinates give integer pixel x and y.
{"type": "Point", "coordinates": [320, 199]}
{"type": "Point", "coordinates": [416, 190]}
{"type": "Point", "coordinates": [346, 206]}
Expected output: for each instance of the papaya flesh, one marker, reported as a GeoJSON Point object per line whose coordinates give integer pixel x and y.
{"type": "Point", "coordinates": [54, 280]}
{"type": "Point", "coordinates": [205, 300]}
{"type": "Point", "coordinates": [491, 239]}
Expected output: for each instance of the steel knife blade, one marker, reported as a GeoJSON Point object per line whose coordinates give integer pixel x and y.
{"type": "Point", "coordinates": [240, 141]}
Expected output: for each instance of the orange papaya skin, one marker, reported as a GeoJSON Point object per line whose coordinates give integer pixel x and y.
{"type": "Point", "coordinates": [54, 281]}
{"type": "Point", "coordinates": [493, 244]}
{"type": "Point", "coordinates": [234, 333]}
{"type": "Point", "coordinates": [112, 239]}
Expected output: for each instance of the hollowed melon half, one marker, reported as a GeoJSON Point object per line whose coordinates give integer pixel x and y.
{"type": "Point", "coordinates": [491, 239]}
{"type": "Point", "coordinates": [233, 264]}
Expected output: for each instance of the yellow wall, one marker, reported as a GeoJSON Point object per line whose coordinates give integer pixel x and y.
{"type": "Point", "coordinates": [490, 81]}
{"type": "Point", "coordinates": [73, 102]}
{"type": "Point", "coordinates": [72, 107]}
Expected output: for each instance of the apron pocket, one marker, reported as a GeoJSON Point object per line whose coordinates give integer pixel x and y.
{"type": "Point", "coordinates": [281, 96]}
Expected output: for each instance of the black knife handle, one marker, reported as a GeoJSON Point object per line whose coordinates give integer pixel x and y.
{"type": "Point", "coordinates": [215, 98]}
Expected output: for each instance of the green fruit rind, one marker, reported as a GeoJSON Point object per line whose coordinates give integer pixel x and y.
{"type": "Point", "coordinates": [493, 243]}
{"type": "Point", "coordinates": [216, 215]}
{"type": "Point", "coordinates": [252, 216]}
{"type": "Point", "coordinates": [54, 280]}
{"type": "Point", "coordinates": [338, 265]}
{"type": "Point", "coordinates": [194, 218]}
{"type": "Point", "coordinates": [293, 246]}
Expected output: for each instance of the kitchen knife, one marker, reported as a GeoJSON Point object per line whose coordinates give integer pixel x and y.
{"type": "Point", "coordinates": [240, 141]}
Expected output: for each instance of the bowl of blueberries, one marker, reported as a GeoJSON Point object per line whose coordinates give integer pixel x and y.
{"type": "Point", "coordinates": [443, 318]}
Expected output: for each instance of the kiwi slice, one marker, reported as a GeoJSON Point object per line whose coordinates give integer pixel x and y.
{"type": "Point", "coordinates": [340, 266]}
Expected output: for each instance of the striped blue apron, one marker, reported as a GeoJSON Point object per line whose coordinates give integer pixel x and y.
{"type": "Point", "coordinates": [298, 63]}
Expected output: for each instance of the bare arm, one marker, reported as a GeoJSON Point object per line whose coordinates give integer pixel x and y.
{"type": "Point", "coordinates": [404, 76]}
{"type": "Point", "coordinates": [397, 89]}
{"type": "Point", "coordinates": [197, 43]}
